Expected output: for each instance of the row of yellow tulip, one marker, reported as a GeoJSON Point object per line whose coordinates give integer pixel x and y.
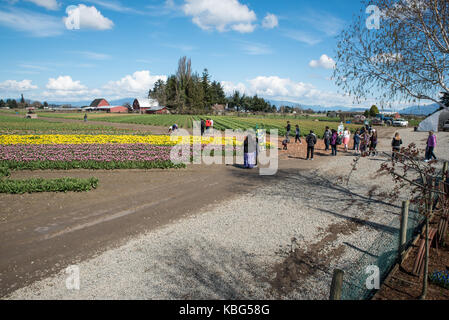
{"type": "Point", "coordinates": [163, 140]}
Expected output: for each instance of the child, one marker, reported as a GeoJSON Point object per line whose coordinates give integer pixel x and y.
{"type": "Point", "coordinates": [285, 144]}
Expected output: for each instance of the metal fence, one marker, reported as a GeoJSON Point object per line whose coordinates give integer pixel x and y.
{"type": "Point", "coordinates": [383, 253]}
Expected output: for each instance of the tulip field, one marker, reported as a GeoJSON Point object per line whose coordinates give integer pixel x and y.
{"type": "Point", "coordinates": [317, 124]}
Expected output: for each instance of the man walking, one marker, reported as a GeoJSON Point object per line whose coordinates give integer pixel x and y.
{"type": "Point", "coordinates": [311, 142]}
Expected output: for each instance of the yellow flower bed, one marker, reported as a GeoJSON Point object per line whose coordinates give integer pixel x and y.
{"type": "Point", "coordinates": [112, 139]}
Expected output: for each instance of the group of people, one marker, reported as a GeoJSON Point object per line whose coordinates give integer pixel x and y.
{"type": "Point", "coordinates": [365, 140]}
{"type": "Point", "coordinates": [206, 125]}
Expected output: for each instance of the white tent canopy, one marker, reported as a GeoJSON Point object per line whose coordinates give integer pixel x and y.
{"type": "Point", "coordinates": [434, 121]}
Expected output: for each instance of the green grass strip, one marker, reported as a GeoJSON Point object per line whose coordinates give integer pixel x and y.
{"type": "Point", "coordinates": [36, 185]}
{"type": "Point", "coordinates": [91, 165]}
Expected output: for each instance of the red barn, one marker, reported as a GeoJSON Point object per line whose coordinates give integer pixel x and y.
{"type": "Point", "coordinates": [157, 110]}
{"type": "Point", "coordinates": [114, 109]}
{"type": "Point", "coordinates": [99, 103]}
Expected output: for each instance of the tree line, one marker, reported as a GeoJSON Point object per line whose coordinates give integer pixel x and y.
{"type": "Point", "coordinates": [22, 104]}
{"type": "Point", "coordinates": [188, 92]}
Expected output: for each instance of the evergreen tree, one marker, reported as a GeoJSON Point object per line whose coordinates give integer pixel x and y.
{"type": "Point", "coordinates": [2, 103]}
{"type": "Point", "coordinates": [445, 99]}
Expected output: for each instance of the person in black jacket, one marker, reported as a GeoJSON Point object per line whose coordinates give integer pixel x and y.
{"type": "Point", "coordinates": [288, 129]}
{"type": "Point", "coordinates": [396, 145]}
{"type": "Point", "coordinates": [311, 140]}
{"type": "Point", "coordinates": [203, 127]}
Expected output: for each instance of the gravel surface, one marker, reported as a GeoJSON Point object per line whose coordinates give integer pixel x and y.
{"type": "Point", "coordinates": [242, 248]}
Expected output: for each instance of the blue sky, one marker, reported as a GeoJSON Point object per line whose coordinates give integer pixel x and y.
{"type": "Point", "coordinates": [277, 49]}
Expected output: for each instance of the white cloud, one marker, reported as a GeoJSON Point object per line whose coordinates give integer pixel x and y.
{"type": "Point", "coordinates": [64, 88]}
{"type": "Point", "coordinates": [47, 4]}
{"type": "Point", "coordinates": [65, 83]}
{"type": "Point", "coordinates": [39, 25]}
{"type": "Point", "coordinates": [115, 6]}
{"type": "Point", "coordinates": [222, 15]}
{"type": "Point", "coordinates": [135, 85]}
{"type": "Point", "coordinates": [302, 36]}
{"type": "Point", "coordinates": [270, 21]}
{"type": "Point", "coordinates": [16, 86]}
{"type": "Point", "coordinates": [274, 87]}
{"type": "Point", "coordinates": [89, 18]}
{"type": "Point", "coordinates": [255, 49]}
{"type": "Point", "coordinates": [324, 62]}
{"type": "Point", "coordinates": [229, 88]}
{"type": "Point", "coordinates": [94, 55]}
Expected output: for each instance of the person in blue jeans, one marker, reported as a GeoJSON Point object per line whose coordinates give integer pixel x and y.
{"type": "Point", "coordinates": [334, 139]}
{"type": "Point", "coordinates": [357, 138]}
{"type": "Point", "coordinates": [431, 144]}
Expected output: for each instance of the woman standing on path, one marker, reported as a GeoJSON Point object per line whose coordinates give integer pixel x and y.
{"type": "Point", "coordinates": [346, 137]}
{"type": "Point", "coordinates": [334, 138]}
{"type": "Point", "coordinates": [396, 145]}
{"type": "Point", "coordinates": [365, 143]}
{"type": "Point", "coordinates": [431, 144]}
{"type": "Point", "coordinates": [250, 151]}
{"type": "Point", "coordinates": [357, 138]}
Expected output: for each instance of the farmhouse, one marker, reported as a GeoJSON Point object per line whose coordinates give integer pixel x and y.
{"type": "Point", "coordinates": [219, 109]}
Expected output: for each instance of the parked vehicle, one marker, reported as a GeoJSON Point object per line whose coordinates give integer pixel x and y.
{"type": "Point", "coordinates": [400, 123]}
{"type": "Point", "coordinates": [377, 122]}
{"type": "Point", "coordinates": [387, 120]}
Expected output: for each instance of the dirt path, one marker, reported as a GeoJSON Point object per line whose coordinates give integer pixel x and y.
{"type": "Point", "coordinates": [41, 234]}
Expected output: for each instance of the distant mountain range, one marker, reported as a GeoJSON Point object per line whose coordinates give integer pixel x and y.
{"type": "Point", "coordinates": [421, 110]}
{"type": "Point", "coordinates": [413, 110]}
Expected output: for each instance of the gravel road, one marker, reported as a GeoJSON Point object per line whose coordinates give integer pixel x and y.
{"type": "Point", "coordinates": [282, 240]}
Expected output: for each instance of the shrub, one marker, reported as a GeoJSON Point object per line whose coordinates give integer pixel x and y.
{"type": "Point", "coordinates": [47, 185]}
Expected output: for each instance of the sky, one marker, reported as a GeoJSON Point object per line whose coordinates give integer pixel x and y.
{"type": "Point", "coordinates": [58, 50]}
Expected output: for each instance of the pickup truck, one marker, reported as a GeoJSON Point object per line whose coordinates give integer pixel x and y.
{"type": "Point", "coordinates": [400, 123]}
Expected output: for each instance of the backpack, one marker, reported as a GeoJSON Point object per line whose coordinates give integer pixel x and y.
{"type": "Point", "coordinates": [339, 140]}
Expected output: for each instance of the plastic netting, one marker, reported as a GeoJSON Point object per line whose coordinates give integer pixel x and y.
{"type": "Point", "coordinates": [383, 253]}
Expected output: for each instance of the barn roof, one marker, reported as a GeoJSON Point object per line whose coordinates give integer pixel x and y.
{"type": "Point", "coordinates": [147, 103]}
{"type": "Point", "coordinates": [96, 102]}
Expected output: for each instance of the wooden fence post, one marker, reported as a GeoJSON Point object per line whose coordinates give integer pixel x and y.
{"type": "Point", "coordinates": [403, 231]}
{"type": "Point", "coordinates": [336, 285]}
